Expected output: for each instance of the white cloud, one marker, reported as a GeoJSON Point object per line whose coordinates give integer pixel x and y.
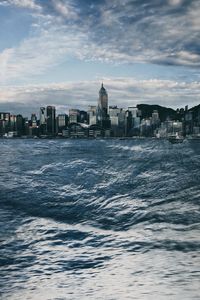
{"type": "Point", "coordinates": [30, 4]}
{"type": "Point", "coordinates": [5, 57]}
{"type": "Point", "coordinates": [37, 54]}
{"type": "Point", "coordinates": [4, 3]}
{"type": "Point", "coordinates": [123, 32]}
{"type": "Point", "coordinates": [150, 32]}
{"type": "Point", "coordinates": [64, 9]}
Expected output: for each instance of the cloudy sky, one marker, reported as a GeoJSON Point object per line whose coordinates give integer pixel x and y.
{"type": "Point", "coordinates": [57, 52]}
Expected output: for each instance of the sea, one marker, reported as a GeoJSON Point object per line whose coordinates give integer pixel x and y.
{"type": "Point", "coordinates": [99, 219]}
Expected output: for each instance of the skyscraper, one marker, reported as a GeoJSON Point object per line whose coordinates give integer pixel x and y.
{"type": "Point", "coordinates": [13, 120]}
{"type": "Point", "coordinates": [4, 122]}
{"type": "Point", "coordinates": [62, 122]}
{"type": "Point", "coordinates": [42, 115]}
{"type": "Point", "coordinates": [103, 101]}
{"type": "Point", "coordinates": [102, 108]}
{"type": "Point", "coordinates": [92, 113]}
{"type": "Point", "coordinates": [33, 120]}
{"type": "Point", "coordinates": [74, 115]}
{"type": "Point", "coordinates": [51, 120]}
{"type": "Point", "coordinates": [20, 125]}
{"type": "Point", "coordinates": [43, 125]}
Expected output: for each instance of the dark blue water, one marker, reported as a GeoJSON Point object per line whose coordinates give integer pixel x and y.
{"type": "Point", "coordinates": [99, 219]}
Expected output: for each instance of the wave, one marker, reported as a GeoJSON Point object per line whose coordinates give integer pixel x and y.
{"type": "Point", "coordinates": [78, 217]}
{"type": "Point", "coordinates": [100, 185]}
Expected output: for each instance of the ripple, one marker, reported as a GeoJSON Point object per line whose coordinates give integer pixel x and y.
{"type": "Point", "coordinates": [99, 219]}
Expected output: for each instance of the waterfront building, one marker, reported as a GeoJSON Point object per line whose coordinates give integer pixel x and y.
{"type": "Point", "coordinates": [128, 123]}
{"type": "Point", "coordinates": [74, 115]}
{"type": "Point", "coordinates": [133, 110]}
{"type": "Point", "coordinates": [34, 120]}
{"type": "Point", "coordinates": [5, 116]}
{"type": "Point", "coordinates": [107, 133]}
{"type": "Point", "coordinates": [78, 130]}
{"type": "Point", "coordinates": [83, 117]}
{"type": "Point", "coordinates": [135, 122]}
{"type": "Point", "coordinates": [103, 101]}
{"type": "Point", "coordinates": [114, 112]}
{"type": "Point", "coordinates": [20, 128]}
{"type": "Point", "coordinates": [161, 132]}
{"type": "Point", "coordinates": [13, 120]}
{"type": "Point", "coordinates": [51, 120]}
{"type": "Point", "coordinates": [4, 122]}
{"type": "Point", "coordinates": [66, 133]}
{"type": "Point", "coordinates": [62, 122]}
{"type": "Point", "coordinates": [42, 115]}
{"type": "Point", "coordinates": [177, 127]}
{"type": "Point", "coordinates": [96, 131]}
{"type": "Point", "coordinates": [27, 124]}
{"type": "Point", "coordinates": [121, 122]}
{"type": "Point", "coordinates": [188, 123]}
{"type": "Point", "coordinates": [33, 131]}
{"type": "Point", "coordinates": [2, 127]}
{"type": "Point", "coordinates": [155, 118]}
{"type": "Point", "coordinates": [155, 122]}
{"type": "Point", "coordinates": [169, 126]}
{"type": "Point", "coordinates": [196, 130]}
{"type": "Point", "coordinates": [145, 127]}
{"type": "Point", "coordinates": [92, 115]}
{"type": "Point", "coordinates": [198, 117]}
{"type": "Point", "coordinates": [43, 122]}
{"type": "Point", "coordinates": [102, 109]}
{"type": "Point", "coordinates": [189, 116]}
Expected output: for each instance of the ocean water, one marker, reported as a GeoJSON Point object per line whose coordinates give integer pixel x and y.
{"type": "Point", "coordinates": [99, 219]}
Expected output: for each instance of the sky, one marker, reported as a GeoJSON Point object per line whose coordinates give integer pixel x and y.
{"type": "Point", "coordinates": [58, 52]}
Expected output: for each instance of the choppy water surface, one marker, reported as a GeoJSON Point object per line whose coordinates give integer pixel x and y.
{"type": "Point", "coordinates": [99, 219]}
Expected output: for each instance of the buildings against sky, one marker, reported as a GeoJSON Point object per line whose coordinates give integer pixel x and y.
{"type": "Point", "coordinates": [99, 121]}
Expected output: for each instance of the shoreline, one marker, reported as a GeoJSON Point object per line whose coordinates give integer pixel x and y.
{"type": "Point", "coordinates": [90, 138]}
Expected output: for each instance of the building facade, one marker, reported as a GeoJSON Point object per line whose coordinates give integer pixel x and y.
{"type": "Point", "coordinates": [51, 120]}
{"type": "Point", "coordinates": [102, 108]}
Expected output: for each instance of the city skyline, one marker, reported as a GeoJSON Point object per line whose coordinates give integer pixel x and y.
{"type": "Point", "coordinates": [102, 100]}
{"type": "Point", "coordinates": [103, 120]}
{"type": "Point", "coordinates": [59, 52]}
